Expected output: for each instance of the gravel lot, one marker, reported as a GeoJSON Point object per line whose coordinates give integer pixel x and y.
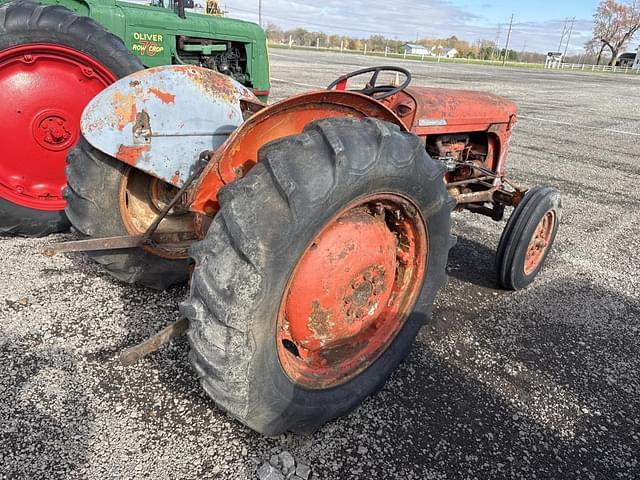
{"type": "Point", "coordinates": [542, 383]}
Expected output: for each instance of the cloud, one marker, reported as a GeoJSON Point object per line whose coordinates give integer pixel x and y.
{"type": "Point", "coordinates": [404, 19]}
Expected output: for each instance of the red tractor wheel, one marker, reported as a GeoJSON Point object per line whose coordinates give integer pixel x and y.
{"type": "Point", "coordinates": [317, 273]}
{"type": "Point", "coordinates": [528, 237]}
{"type": "Point", "coordinates": [52, 63]}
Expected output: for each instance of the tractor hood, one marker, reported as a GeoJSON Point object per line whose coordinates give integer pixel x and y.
{"type": "Point", "coordinates": [442, 107]}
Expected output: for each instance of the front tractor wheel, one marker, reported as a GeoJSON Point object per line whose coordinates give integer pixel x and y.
{"type": "Point", "coordinates": [527, 238]}
{"type": "Point", "coordinates": [317, 273]}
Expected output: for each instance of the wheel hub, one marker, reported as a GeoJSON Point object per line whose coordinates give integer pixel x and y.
{"type": "Point", "coordinates": [351, 291]}
{"type": "Point", "coordinates": [539, 243]}
{"type": "Point", "coordinates": [142, 198]}
{"type": "Point", "coordinates": [53, 132]}
{"type": "Point", "coordinates": [334, 286]}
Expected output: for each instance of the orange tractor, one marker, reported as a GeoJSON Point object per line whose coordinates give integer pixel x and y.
{"type": "Point", "coordinates": [315, 231]}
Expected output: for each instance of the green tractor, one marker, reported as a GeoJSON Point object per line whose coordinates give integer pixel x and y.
{"type": "Point", "coordinates": [56, 55]}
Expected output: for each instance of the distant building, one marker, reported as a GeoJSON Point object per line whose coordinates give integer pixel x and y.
{"type": "Point", "coordinates": [636, 63]}
{"type": "Point", "coordinates": [414, 49]}
{"type": "Point", "coordinates": [627, 59]}
{"type": "Point", "coordinates": [449, 53]}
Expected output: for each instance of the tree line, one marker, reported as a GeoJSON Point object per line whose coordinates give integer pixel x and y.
{"type": "Point", "coordinates": [481, 49]}
{"type": "Point", "coordinates": [614, 26]}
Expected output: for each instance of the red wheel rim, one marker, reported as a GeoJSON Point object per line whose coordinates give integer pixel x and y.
{"type": "Point", "coordinates": [352, 290]}
{"type": "Point", "coordinates": [540, 241]}
{"type": "Point", "coordinates": [45, 88]}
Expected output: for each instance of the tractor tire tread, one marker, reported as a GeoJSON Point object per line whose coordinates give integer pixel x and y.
{"type": "Point", "coordinates": [260, 216]}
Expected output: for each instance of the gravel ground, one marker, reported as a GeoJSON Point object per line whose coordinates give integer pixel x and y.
{"type": "Point", "coordinates": [541, 383]}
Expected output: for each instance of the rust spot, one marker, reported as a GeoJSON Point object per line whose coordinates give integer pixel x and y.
{"type": "Point", "coordinates": [142, 127]}
{"type": "Point", "coordinates": [213, 84]}
{"type": "Point", "coordinates": [124, 107]}
{"type": "Point", "coordinates": [163, 96]}
{"type": "Point", "coordinates": [320, 322]}
{"type": "Point", "coordinates": [347, 248]}
{"type": "Point", "coordinates": [131, 155]}
{"type": "Point", "coordinates": [176, 178]}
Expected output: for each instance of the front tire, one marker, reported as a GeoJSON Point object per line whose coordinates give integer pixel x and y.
{"type": "Point", "coordinates": [528, 238]}
{"type": "Point", "coordinates": [267, 223]}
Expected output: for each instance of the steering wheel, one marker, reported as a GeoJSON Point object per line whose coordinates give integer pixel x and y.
{"type": "Point", "coordinates": [376, 91]}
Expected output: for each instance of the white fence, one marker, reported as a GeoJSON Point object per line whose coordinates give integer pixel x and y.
{"type": "Point", "coordinates": [595, 68]}
{"type": "Point", "coordinates": [432, 58]}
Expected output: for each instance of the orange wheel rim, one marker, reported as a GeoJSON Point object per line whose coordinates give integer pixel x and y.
{"type": "Point", "coordinates": [540, 241]}
{"type": "Point", "coordinates": [141, 199]}
{"type": "Point", "coordinates": [352, 290]}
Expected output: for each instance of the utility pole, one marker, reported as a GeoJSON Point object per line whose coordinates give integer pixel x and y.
{"type": "Point", "coordinates": [564, 34]}
{"type": "Point", "coordinates": [495, 44]}
{"type": "Point", "coordinates": [506, 48]}
{"type": "Point", "coordinates": [573, 21]}
{"type": "Point", "coordinates": [260, 12]}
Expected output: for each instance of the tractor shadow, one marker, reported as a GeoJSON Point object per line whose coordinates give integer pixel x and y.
{"type": "Point", "coordinates": [512, 389]}
{"type": "Point", "coordinates": [503, 386]}
{"type": "Point", "coordinates": [473, 262]}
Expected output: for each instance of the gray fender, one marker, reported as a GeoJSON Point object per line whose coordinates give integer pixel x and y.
{"type": "Point", "coordinates": [159, 120]}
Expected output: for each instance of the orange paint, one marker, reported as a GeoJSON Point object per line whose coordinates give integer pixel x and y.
{"type": "Point", "coordinates": [163, 96]}
{"type": "Point", "coordinates": [131, 155]}
{"type": "Point", "coordinates": [125, 109]}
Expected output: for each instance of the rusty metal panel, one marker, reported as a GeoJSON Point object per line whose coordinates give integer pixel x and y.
{"type": "Point", "coordinates": [159, 120]}
{"type": "Point", "coordinates": [287, 117]}
{"type": "Point", "coordinates": [441, 110]}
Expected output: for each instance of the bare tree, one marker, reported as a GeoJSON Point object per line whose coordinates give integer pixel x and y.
{"type": "Point", "coordinates": [614, 25]}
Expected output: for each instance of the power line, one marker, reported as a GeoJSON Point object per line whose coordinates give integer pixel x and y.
{"type": "Point", "coordinates": [573, 21]}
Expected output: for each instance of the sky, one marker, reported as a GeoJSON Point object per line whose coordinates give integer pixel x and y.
{"type": "Point", "coordinates": [537, 26]}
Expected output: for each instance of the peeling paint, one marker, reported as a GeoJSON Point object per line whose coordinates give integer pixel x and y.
{"type": "Point", "coordinates": [163, 96]}
{"type": "Point", "coordinates": [131, 155]}
{"type": "Point", "coordinates": [124, 107]}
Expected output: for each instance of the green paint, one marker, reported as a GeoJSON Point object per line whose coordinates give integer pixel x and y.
{"type": "Point", "coordinates": [152, 33]}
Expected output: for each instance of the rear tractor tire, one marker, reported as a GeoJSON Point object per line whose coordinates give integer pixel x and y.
{"type": "Point", "coordinates": [66, 59]}
{"type": "Point", "coordinates": [528, 238]}
{"type": "Point", "coordinates": [317, 273]}
{"type": "Point", "coordinates": [107, 198]}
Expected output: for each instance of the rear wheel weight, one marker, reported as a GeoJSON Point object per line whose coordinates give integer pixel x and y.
{"type": "Point", "coordinates": [305, 189]}
{"type": "Point", "coordinates": [66, 59]}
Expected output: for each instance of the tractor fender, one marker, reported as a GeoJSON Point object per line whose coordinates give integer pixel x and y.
{"type": "Point", "coordinates": [288, 117]}
{"type": "Point", "coordinates": [162, 119]}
